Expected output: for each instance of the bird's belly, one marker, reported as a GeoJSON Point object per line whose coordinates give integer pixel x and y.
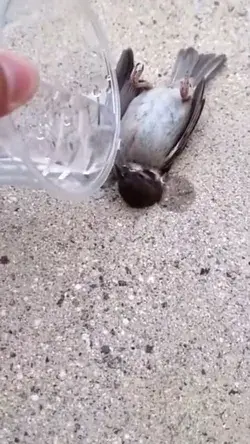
{"type": "Point", "coordinates": [152, 124]}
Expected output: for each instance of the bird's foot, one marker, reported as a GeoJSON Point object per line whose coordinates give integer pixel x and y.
{"type": "Point", "coordinates": [186, 88]}
{"type": "Point", "coordinates": [136, 80]}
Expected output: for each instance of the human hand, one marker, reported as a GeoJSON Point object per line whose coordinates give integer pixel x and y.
{"type": "Point", "coordinates": [19, 81]}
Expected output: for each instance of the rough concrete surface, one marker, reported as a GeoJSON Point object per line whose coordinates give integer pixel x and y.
{"type": "Point", "coordinates": [128, 327]}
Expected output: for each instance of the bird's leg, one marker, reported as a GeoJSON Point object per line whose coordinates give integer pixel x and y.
{"type": "Point", "coordinates": [136, 80]}
{"type": "Point", "coordinates": [186, 88]}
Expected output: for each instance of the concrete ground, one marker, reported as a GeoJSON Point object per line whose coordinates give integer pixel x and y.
{"type": "Point", "coordinates": [126, 327]}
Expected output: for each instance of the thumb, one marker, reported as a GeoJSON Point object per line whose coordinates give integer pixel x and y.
{"type": "Point", "coordinates": [18, 81]}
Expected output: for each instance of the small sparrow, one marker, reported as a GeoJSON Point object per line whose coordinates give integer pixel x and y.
{"type": "Point", "coordinates": [156, 122]}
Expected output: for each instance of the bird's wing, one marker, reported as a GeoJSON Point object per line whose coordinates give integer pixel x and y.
{"type": "Point", "coordinates": [124, 69]}
{"type": "Point", "coordinates": [198, 102]}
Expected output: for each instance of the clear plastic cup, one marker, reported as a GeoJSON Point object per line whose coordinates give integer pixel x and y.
{"type": "Point", "coordinates": [66, 139]}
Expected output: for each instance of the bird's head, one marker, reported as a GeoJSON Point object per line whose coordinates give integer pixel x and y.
{"type": "Point", "coordinates": [139, 187]}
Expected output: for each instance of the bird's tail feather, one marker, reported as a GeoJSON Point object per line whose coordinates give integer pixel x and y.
{"type": "Point", "coordinates": [198, 66]}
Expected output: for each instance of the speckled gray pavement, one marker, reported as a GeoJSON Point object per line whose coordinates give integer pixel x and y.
{"type": "Point", "coordinates": [128, 327]}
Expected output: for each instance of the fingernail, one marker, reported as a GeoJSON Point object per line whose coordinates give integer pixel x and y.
{"type": "Point", "coordinates": [21, 78]}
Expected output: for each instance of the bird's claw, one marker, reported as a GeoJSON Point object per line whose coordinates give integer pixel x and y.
{"type": "Point", "coordinates": [136, 80]}
{"type": "Point", "coordinates": [186, 88]}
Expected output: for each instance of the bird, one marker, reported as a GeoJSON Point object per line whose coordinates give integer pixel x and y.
{"type": "Point", "coordinates": [157, 121]}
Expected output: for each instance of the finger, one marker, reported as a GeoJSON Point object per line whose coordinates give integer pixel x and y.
{"type": "Point", "coordinates": [19, 81]}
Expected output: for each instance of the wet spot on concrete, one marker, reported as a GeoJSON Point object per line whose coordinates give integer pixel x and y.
{"type": "Point", "coordinates": [179, 194]}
